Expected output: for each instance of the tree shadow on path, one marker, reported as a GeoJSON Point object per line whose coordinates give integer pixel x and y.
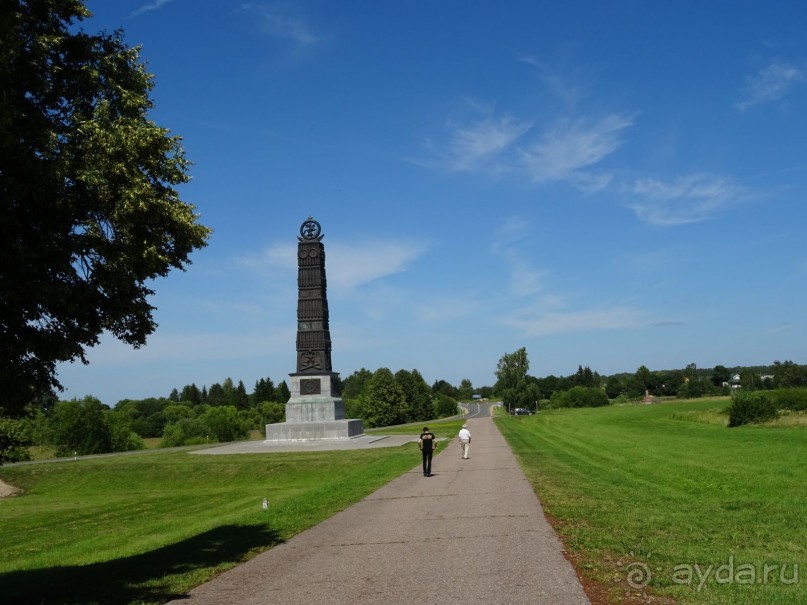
{"type": "Point", "coordinates": [143, 578]}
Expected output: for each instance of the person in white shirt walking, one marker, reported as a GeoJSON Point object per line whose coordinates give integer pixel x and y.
{"type": "Point", "coordinates": [464, 439]}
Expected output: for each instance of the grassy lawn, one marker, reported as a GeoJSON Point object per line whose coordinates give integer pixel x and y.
{"type": "Point", "coordinates": [667, 497]}
{"type": "Point", "coordinates": [442, 429]}
{"type": "Point", "coordinates": [145, 528]}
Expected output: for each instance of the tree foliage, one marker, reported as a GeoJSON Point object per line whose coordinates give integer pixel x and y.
{"type": "Point", "coordinates": [13, 442]}
{"type": "Point", "coordinates": [282, 392]}
{"type": "Point", "coordinates": [512, 369]}
{"type": "Point", "coordinates": [272, 412]}
{"type": "Point", "coordinates": [788, 374]}
{"type": "Point", "coordinates": [466, 390]}
{"type": "Point", "coordinates": [584, 377]}
{"type": "Point", "coordinates": [353, 385]}
{"type": "Point", "coordinates": [418, 395]}
{"type": "Point", "coordinates": [720, 374]}
{"type": "Point", "coordinates": [580, 397]}
{"type": "Point", "coordinates": [445, 388]}
{"type": "Point", "coordinates": [264, 391]}
{"type": "Point", "coordinates": [385, 400]}
{"type": "Point", "coordinates": [224, 423]}
{"type": "Point", "coordinates": [90, 213]}
{"type": "Point", "coordinates": [185, 431]}
{"type": "Point", "coordinates": [87, 426]}
{"type": "Point", "coordinates": [513, 384]}
{"type": "Point", "coordinates": [751, 407]}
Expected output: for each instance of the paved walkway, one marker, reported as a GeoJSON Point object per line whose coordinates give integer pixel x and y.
{"type": "Point", "coordinates": [473, 533]}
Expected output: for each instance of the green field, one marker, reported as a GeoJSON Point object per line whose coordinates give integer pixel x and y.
{"type": "Point", "coordinates": [715, 515]}
{"type": "Point", "coordinates": [667, 497]}
{"type": "Point", "coordinates": [145, 528]}
{"type": "Point", "coordinates": [148, 526]}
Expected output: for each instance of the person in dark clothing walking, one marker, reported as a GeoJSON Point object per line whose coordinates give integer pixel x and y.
{"type": "Point", "coordinates": [427, 443]}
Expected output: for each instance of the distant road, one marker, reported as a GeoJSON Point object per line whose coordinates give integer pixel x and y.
{"type": "Point", "coordinates": [477, 410]}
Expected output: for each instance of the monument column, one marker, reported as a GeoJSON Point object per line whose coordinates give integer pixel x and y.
{"type": "Point", "coordinates": [315, 410]}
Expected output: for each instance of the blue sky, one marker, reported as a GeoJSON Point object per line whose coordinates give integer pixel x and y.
{"type": "Point", "coordinates": [608, 184]}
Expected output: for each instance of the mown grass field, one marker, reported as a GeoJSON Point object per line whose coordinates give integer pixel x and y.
{"type": "Point", "coordinates": [669, 498]}
{"type": "Point", "coordinates": [145, 528]}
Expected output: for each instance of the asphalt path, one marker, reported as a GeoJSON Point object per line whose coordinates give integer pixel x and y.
{"type": "Point", "coordinates": [477, 410]}
{"type": "Point", "coordinates": [473, 533]}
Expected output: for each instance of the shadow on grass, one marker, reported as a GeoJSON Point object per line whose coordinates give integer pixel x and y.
{"type": "Point", "coordinates": [144, 578]}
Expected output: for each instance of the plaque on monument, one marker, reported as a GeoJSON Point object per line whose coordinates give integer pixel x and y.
{"type": "Point", "coordinates": [315, 410]}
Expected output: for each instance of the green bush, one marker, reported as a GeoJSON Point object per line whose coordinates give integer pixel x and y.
{"type": "Point", "coordinates": [272, 413]}
{"type": "Point", "coordinates": [12, 441]}
{"type": "Point", "coordinates": [185, 431]}
{"type": "Point", "coordinates": [794, 399]}
{"type": "Point", "coordinates": [751, 407]}
{"type": "Point", "coordinates": [122, 437]}
{"type": "Point", "coordinates": [579, 397]}
{"type": "Point", "coordinates": [444, 406]}
{"type": "Point", "coordinates": [80, 427]}
{"type": "Point", "coordinates": [224, 423]}
{"type": "Point", "coordinates": [354, 408]}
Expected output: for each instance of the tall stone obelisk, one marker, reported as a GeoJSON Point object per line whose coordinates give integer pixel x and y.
{"type": "Point", "coordinates": [315, 410]}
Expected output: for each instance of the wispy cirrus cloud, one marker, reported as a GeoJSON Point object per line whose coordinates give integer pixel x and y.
{"type": "Point", "coordinates": [152, 6]}
{"type": "Point", "coordinates": [511, 231]}
{"type": "Point", "coordinates": [351, 266]}
{"type": "Point", "coordinates": [348, 266]}
{"type": "Point", "coordinates": [570, 85]}
{"type": "Point", "coordinates": [285, 25]}
{"type": "Point", "coordinates": [479, 144]}
{"type": "Point", "coordinates": [787, 327]}
{"type": "Point", "coordinates": [532, 323]}
{"type": "Point", "coordinates": [770, 84]}
{"type": "Point", "coordinates": [688, 199]}
{"type": "Point", "coordinates": [566, 150]}
{"type": "Point", "coordinates": [669, 323]}
{"type": "Point", "coordinates": [568, 146]}
{"type": "Point", "coordinates": [524, 278]}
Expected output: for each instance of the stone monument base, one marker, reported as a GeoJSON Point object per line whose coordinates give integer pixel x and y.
{"type": "Point", "coordinates": [314, 411]}
{"type": "Point", "coordinates": [325, 429]}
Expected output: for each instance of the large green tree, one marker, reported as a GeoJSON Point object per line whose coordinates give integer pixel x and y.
{"type": "Point", "coordinates": [282, 393]}
{"type": "Point", "coordinates": [386, 400]}
{"type": "Point", "coordinates": [264, 391]}
{"type": "Point", "coordinates": [466, 390]}
{"type": "Point", "coordinates": [720, 374]}
{"type": "Point", "coordinates": [353, 385]}
{"type": "Point", "coordinates": [89, 211]}
{"type": "Point", "coordinates": [418, 395]}
{"type": "Point", "coordinates": [224, 423]}
{"type": "Point", "coordinates": [87, 426]}
{"type": "Point", "coordinates": [511, 377]}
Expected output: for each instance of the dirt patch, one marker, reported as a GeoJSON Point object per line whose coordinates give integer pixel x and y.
{"type": "Point", "coordinates": [7, 490]}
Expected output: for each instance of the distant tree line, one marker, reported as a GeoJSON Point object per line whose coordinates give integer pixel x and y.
{"type": "Point", "coordinates": [223, 412]}
{"type": "Point", "coordinates": [587, 388]}
{"type": "Point", "coordinates": [227, 412]}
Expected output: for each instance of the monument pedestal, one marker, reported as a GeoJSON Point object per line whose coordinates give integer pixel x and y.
{"type": "Point", "coordinates": [306, 431]}
{"type": "Point", "coordinates": [314, 412]}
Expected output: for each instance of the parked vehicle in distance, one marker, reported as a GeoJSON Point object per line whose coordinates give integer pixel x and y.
{"type": "Point", "coordinates": [521, 412]}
